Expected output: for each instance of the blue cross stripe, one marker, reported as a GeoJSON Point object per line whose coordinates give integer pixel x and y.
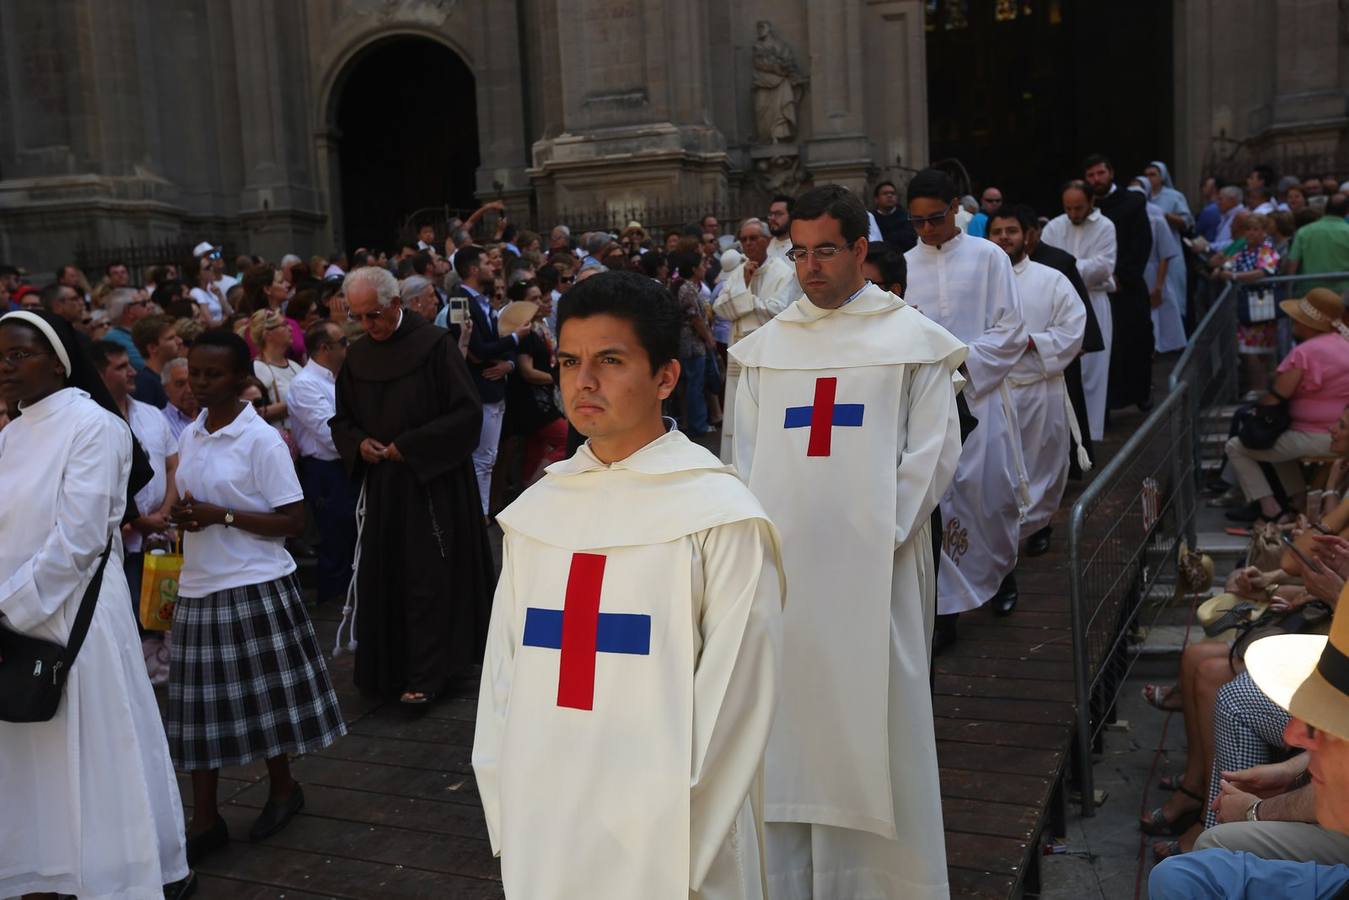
{"type": "Point", "coordinates": [845, 414]}
{"type": "Point", "coordinates": [617, 632]}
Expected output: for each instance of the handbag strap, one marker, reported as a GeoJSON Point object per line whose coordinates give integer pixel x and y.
{"type": "Point", "coordinates": [86, 613]}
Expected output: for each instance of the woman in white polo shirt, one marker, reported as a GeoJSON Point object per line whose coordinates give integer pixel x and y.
{"type": "Point", "coordinates": [247, 678]}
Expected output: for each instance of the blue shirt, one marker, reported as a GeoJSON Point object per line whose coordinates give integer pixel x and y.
{"type": "Point", "coordinates": [123, 337]}
{"type": "Point", "coordinates": [978, 226]}
{"type": "Point", "coordinates": [1220, 874]}
{"type": "Point", "coordinates": [1208, 222]}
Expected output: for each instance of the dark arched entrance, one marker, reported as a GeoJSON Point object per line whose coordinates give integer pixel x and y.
{"type": "Point", "coordinates": [1020, 91]}
{"type": "Point", "coordinates": [408, 124]}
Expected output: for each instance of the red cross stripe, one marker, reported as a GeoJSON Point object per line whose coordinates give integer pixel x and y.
{"type": "Point", "coordinates": [823, 416]}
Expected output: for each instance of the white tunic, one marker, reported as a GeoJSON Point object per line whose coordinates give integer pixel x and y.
{"type": "Point", "coordinates": [968, 288]}
{"type": "Point", "coordinates": [1093, 244]}
{"type": "Point", "coordinates": [88, 801]}
{"type": "Point", "coordinates": [1056, 322]}
{"type": "Point", "coordinates": [621, 757]}
{"type": "Point", "coordinates": [850, 436]}
{"type": "Point", "coordinates": [747, 306]}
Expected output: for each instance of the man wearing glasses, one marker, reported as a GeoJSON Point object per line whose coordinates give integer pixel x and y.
{"type": "Point", "coordinates": [966, 285]}
{"type": "Point", "coordinates": [761, 288]}
{"type": "Point", "coordinates": [848, 436]}
{"type": "Point", "coordinates": [312, 401]}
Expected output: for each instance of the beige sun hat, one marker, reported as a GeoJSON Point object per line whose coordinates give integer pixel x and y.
{"type": "Point", "coordinates": [1320, 309]}
{"type": "Point", "coordinates": [516, 315]}
{"type": "Point", "coordinates": [1307, 674]}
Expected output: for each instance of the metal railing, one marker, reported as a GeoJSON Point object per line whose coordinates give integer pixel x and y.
{"type": "Point", "coordinates": [1126, 528]}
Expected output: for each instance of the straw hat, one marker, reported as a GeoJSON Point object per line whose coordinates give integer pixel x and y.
{"type": "Point", "coordinates": [516, 315]}
{"type": "Point", "coordinates": [1307, 674]}
{"type": "Point", "coordinates": [1319, 310]}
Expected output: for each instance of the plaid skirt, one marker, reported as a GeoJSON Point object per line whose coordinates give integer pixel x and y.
{"type": "Point", "coordinates": [247, 679]}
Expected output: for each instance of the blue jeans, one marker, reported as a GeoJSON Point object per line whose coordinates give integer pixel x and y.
{"type": "Point", "coordinates": [332, 500]}
{"type": "Point", "coordinates": [693, 371]}
{"type": "Point", "coordinates": [1222, 874]}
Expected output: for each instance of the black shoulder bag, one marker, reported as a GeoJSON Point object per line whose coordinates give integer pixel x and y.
{"type": "Point", "coordinates": [1259, 425]}
{"type": "Point", "coordinates": [33, 671]}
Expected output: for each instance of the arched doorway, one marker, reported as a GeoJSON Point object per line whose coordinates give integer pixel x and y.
{"type": "Point", "coordinates": [407, 117]}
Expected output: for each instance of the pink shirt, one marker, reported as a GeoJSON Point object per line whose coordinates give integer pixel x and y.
{"type": "Point", "coordinates": [1323, 392]}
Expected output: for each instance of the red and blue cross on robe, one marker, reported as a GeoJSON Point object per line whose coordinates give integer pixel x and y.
{"type": "Point", "coordinates": [823, 417]}
{"type": "Point", "coordinates": [581, 631]}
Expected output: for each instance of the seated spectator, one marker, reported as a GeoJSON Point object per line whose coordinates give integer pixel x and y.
{"type": "Point", "coordinates": [1314, 381]}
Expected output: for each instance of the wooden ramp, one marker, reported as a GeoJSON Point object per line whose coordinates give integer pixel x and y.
{"type": "Point", "coordinates": [392, 809]}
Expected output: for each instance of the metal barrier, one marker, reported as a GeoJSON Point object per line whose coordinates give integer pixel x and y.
{"type": "Point", "coordinates": [1124, 535]}
{"type": "Point", "coordinates": [1125, 529]}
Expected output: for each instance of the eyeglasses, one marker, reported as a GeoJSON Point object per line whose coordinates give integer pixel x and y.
{"type": "Point", "coordinates": [372, 316]}
{"type": "Point", "coordinates": [20, 356]}
{"type": "Point", "coordinates": [86, 322]}
{"type": "Point", "coordinates": [823, 253]}
{"type": "Point", "coordinates": [924, 221]}
{"type": "Point", "coordinates": [566, 279]}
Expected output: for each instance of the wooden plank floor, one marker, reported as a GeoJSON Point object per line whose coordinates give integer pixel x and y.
{"type": "Point", "coordinates": [392, 809]}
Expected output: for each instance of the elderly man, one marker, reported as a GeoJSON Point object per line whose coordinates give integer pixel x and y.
{"type": "Point", "coordinates": [407, 422]}
{"type": "Point", "coordinates": [1229, 206]}
{"type": "Point", "coordinates": [312, 400]}
{"type": "Point", "coordinates": [126, 307]}
{"type": "Point", "coordinates": [182, 409]}
{"type": "Point", "coordinates": [761, 288]}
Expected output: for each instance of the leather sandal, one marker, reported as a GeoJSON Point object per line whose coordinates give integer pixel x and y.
{"type": "Point", "coordinates": [1166, 849]}
{"type": "Point", "coordinates": [1157, 824]}
{"type": "Point", "coordinates": [1162, 696]}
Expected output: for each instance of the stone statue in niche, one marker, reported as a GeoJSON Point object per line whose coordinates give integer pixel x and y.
{"type": "Point", "coordinates": [778, 86]}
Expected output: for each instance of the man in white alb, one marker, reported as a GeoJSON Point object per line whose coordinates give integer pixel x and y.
{"type": "Point", "coordinates": [966, 285]}
{"type": "Point", "coordinates": [1085, 232]}
{"type": "Point", "coordinates": [849, 436]}
{"type": "Point", "coordinates": [780, 226]}
{"type": "Point", "coordinates": [632, 662]}
{"type": "Point", "coordinates": [757, 291]}
{"type": "Point", "coordinates": [1056, 321]}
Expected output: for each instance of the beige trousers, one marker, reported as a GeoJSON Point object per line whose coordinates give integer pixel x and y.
{"type": "Point", "coordinates": [1298, 841]}
{"type": "Point", "coordinates": [1287, 450]}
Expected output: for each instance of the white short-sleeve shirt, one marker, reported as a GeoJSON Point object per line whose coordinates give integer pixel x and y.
{"type": "Point", "coordinates": [152, 430]}
{"type": "Point", "coordinates": [244, 467]}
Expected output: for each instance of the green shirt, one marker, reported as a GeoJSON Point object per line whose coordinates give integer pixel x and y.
{"type": "Point", "coordinates": [1322, 246]}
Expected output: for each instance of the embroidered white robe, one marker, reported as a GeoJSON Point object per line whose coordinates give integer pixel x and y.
{"type": "Point", "coordinates": [1055, 322]}
{"type": "Point", "coordinates": [630, 679]}
{"type": "Point", "coordinates": [849, 436]}
{"type": "Point", "coordinates": [747, 306]}
{"type": "Point", "coordinates": [1093, 243]}
{"type": "Point", "coordinates": [967, 287]}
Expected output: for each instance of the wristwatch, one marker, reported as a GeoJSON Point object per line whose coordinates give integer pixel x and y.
{"type": "Point", "coordinates": [1251, 815]}
{"type": "Point", "coordinates": [229, 517]}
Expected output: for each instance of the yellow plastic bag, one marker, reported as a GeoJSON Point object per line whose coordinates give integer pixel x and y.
{"type": "Point", "coordinates": [159, 589]}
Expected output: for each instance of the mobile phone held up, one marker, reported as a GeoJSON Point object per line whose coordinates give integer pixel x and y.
{"type": "Point", "coordinates": [1297, 551]}
{"type": "Point", "coordinates": [458, 310]}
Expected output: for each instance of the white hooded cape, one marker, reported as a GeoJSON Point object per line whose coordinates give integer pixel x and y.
{"type": "Point", "coordinates": [631, 768]}
{"type": "Point", "coordinates": [853, 503]}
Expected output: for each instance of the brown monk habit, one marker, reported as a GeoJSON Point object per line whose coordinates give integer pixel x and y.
{"type": "Point", "coordinates": [426, 575]}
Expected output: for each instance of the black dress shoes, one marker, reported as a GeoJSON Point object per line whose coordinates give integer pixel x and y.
{"type": "Point", "coordinates": [276, 815]}
{"type": "Point", "coordinates": [202, 845]}
{"type": "Point", "coordinates": [181, 890]}
{"type": "Point", "coordinates": [944, 632]}
{"type": "Point", "coordinates": [1038, 545]}
{"type": "Point", "coordinates": [1004, 601]}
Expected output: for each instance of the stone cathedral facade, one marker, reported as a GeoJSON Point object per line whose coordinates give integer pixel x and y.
{"type": "Point", "coordinates": [150, 120]}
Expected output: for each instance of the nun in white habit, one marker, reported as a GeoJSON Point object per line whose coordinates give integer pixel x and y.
{"type": "Point", "coordinates": [90, 804]}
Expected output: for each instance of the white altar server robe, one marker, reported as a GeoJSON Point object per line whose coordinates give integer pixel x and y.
{"type": "Point", "coordinates": [771, 289]}
{"type": "Point", "coordinates": [89, 803]}
{"type": "Point", "coordinates": [630, 679]}
{"type": "Point", "coordinates": [966, 285]}
{"type": "Point", "coordinates": [1056, 322]}
{"type": "Point", "coordinates": [1093, 244]}
{"type": "Point", "coordinates": [849, 438]}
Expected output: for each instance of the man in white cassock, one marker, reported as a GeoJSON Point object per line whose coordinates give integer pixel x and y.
{"type": "Point", "coordinates": [1056, 321]}
{"type": "Point", "coordinates": [757, 291]}
{"type": "Point", "coordinates": [633, 657]}
{"type": "Point", "coordinates": [849, 435]}
{"type": "Point", "coordinates": [1085, 232]}
{"type": "Point", "coordinates": [966, 285]}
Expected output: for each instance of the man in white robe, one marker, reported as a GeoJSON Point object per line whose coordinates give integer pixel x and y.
{"type": "Point", "coordinates": [849, 436]}
{"type": "Point", "coordinates": [1085, 232]}
{"type": "Point", "coordinates": [632, 662]}
{"type": "Point", "coordinates": [1056, 321]}
{"type": "Point", "coordinates": [758, 290]}
{"type": "Point", "coordinates": [966, 285]}
{"type": "Point", "coordinates": [780, 227]}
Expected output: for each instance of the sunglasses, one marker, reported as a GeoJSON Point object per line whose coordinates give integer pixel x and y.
{"type": "Point", "coordinates": [372, 316]}
{"type": "Point", "coordinates": [566, 279]}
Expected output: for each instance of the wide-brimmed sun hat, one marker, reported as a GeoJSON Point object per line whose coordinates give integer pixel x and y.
{"type": "Point", "coordinates": [1307, 674]}
{"type": "Point", "coordinates": [1319, 310]}
{"type": "Point", "coordinates": [516, 315]}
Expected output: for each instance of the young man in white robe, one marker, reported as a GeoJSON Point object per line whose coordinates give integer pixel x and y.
{"type": "Point", "coordinates": [849, 436]}
{"type": "Point", "coordinates": [1085, 232]}
{"type": "Point", "coordinates": [966, 285]}
{"type": "Point", "coordinates": [632, 661]}
{"type": "Point", "coordinates": [758, 290]}
{"type": "Point", "coordinates": [1056, 321]}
